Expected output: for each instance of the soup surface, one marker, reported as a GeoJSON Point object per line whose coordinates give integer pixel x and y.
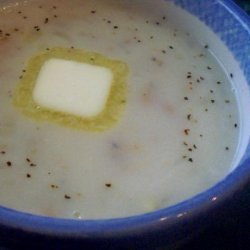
{"type": "Point", "coordinates": [177, 136]}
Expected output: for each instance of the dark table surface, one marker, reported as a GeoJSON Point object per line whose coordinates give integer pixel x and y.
{"type": "Point", "coordinates": [230, 232]}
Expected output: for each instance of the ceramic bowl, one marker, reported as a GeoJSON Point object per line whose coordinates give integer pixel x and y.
{"type": "Point", "coordinates": [229, 40]}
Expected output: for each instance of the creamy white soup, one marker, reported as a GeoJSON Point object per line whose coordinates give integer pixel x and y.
{"type": "Point", "coordinates": [176, 137]}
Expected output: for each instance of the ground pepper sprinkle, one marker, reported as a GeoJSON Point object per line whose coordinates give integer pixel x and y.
{"type": "Point", "coordinates": [9, 164]}
{"type": "Point", "coordinates": [67, 197]}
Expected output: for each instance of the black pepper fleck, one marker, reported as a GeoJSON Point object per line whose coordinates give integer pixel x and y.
{"type": "Point", "coordinates": [28, 175]}
{"type": "Point", "coordinates": [9, 164]}
{"type": "Point", "coordinates": [36, 28]}
{"type": "Point", "coordinates": [108, 185]}
{"type": "Point", "coordinates": [67, 197]}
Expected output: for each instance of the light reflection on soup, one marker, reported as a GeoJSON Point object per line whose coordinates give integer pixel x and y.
{"type": "Point", "coordinates": [177, 136]}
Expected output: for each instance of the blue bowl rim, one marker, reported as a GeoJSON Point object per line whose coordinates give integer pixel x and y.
{"type": "Point", "coordinates": [201, 204]}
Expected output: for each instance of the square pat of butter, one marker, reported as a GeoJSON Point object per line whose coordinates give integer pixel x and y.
{"type": "Point", "coordinates": [72, 87]}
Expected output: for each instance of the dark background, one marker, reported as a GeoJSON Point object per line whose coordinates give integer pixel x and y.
{"type": "Point", "coordinates": [244, 4]}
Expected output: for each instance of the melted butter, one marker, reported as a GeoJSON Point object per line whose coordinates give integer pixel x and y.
{"type": "Point", "coordinates": [107, 118]}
